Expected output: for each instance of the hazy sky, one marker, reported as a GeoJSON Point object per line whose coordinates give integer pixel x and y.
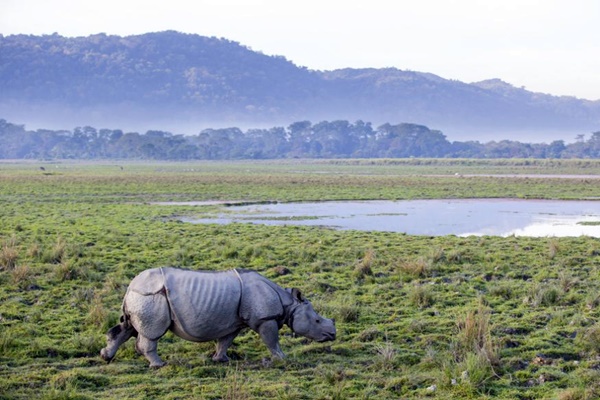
{"type": "Point", "coordinates": [549, 46]}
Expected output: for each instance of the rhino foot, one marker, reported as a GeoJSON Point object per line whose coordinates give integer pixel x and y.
{"type": "Point", "coordinates": [220, 358]}
{"type": "Point", "coordinates": [105, 356]}
{"type": "Point", "coordinates": [158, 365]}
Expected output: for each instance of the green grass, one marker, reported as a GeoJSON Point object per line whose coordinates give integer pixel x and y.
{"type": "Point", "coordinates": [417, 316]}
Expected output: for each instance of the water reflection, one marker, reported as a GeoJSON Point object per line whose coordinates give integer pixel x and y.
{"type": "Point", "coordinates": [498, 217]}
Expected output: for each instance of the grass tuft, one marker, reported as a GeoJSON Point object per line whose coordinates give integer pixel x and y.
{"type": "Point", "coordinates": [345, 309]}
{"type": "Point", "coordinates": [77, 380]}
{"type": "Point", "coordinates": [567, 281]}
{"type": "Point", "coordinates": [573, 394]}
{"type": "Point", "coordinates": [56, 254]}
{"type": "Point", "coordinates": [474, 352]}
{"type": "Point", "coordinates": [590, 339]}
{"type": "Point", "coordinates": [9, 254]}
{"type": "Point", "coordinates": [237, 385]}
{"type": "Point", "coordinates": [97, 314]}
{"type": "Point", "coordinates": [7, 341]}
{"type": "Point", "coordinates": [503, 290]}
{"type": "Point", "coordinates": [474, 336]}
{"type": "Point", "coordinates": [369, 334]}
{"type": "Point", "coordinates": [421, 296]}
{"type": "Point", "coordinates": [414, 268]}
{"type": "Point", "coordinates": [364, 267]}
{"type": "Point", "coordinates": [66, 271]}
{"type": "Point", "coordinates": [386, 355]}
{"type": "Point", "coordinates": [21, 275]}
{"type": "Point", "coordinates": [544, 295]}
{"type": "Point", "coordinates": [34, 251]}
{"type": "Point", "coordinates": [553, 248]}
{"type": "Point", "coordinates": [592, 300]}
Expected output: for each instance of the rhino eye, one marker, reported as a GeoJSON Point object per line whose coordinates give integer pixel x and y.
{"type": "Point", "coordinates": [318, 321]}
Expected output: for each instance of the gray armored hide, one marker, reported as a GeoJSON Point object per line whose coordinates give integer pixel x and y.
{"type": "Point", "coordinates": [202, 306]}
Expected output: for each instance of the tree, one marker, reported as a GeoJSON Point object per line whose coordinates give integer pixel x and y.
{"type": "Point", "coordinates": [299, 137]}
{"type": "Point", "coordinates": [411, 140]}
{"type": "Point", "coordinates": [555, 149]}
{"type": "Point", "coordinates": [335, 139]}
{"type": "Point", "coordinates": [594, 145]}
{"type": "Point", "coordinates": [363, 134]}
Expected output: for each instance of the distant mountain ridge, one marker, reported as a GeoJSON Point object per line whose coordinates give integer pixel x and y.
{"type": "Point", "coordinates": [176, 81]}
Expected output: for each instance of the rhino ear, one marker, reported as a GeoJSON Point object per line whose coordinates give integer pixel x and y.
{"type": "Point", "coordinates": [296, 294]}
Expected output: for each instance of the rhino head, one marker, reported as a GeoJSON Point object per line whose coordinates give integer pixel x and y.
{"type": "Point", "coordinates": [305, 321]}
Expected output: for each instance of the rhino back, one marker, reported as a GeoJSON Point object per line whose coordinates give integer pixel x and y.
{"type": "Point", "coordinates": [147, 282]}
{"type": "Point", "coordinates": [205, 304]}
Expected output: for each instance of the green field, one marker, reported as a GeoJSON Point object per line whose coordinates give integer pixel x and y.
{"type": "Point", "coordinates": [417, 316]}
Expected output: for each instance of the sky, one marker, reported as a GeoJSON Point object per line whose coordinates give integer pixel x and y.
{"type": "Point", "coordinates": [547, 46]}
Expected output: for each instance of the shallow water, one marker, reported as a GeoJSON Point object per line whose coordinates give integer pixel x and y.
{"type": "Point", "coordinates": [498, 217]}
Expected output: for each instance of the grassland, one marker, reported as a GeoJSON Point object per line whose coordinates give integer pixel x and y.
{"type": "Point", "coordinates": [417, 317]}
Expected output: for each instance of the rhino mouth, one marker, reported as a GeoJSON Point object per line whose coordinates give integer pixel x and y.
{"type": "Point", "coordinates": [327, 337]}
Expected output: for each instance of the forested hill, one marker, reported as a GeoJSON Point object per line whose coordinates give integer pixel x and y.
{"type": "Point", "coordinates": [172, 80]}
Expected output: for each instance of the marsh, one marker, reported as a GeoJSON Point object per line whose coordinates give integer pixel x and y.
{"type": "Point", "coordinates": [461, 217]}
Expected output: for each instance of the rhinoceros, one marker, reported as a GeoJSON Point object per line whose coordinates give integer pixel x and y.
{"type": "Point", "coordinates": [204, 305]}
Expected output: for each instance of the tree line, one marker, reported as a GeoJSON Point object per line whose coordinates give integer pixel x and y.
{"type": "Point", "coordinates": [302, 139]}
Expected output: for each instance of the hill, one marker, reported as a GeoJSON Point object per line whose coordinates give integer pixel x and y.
{"type": "Point", "coordinates": [185, 83]}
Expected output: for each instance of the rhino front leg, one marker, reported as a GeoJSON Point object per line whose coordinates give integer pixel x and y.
{"type": "Point", "coordinates": [147, 347]}
{"type": "Point", "coordinates": [222, 346]}
{"type": "Point", "coordinates": [269, 333]}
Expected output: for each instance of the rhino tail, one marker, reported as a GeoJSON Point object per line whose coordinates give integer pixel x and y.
{"type": "Point", "coordinates": [125, 325]}
{"type": "Point", "coordinates": [122, 329]}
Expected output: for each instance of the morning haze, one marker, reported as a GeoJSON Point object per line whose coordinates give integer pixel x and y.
{"type": "Point", "coordinates": [185, 83]}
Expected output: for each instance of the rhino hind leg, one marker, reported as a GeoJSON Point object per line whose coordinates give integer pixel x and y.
{"type": "Point", "coordinates": [147, 347]}
{"type": "Point", "coordinates": [151, 318]}
{"type": "Point", "coordinates": [222, 346]}
{"type": "Point", "coordinates": [115, 337]}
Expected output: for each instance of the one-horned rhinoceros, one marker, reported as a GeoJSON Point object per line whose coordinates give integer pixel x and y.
{"type": "Point", "coordinates": [201, 306]}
